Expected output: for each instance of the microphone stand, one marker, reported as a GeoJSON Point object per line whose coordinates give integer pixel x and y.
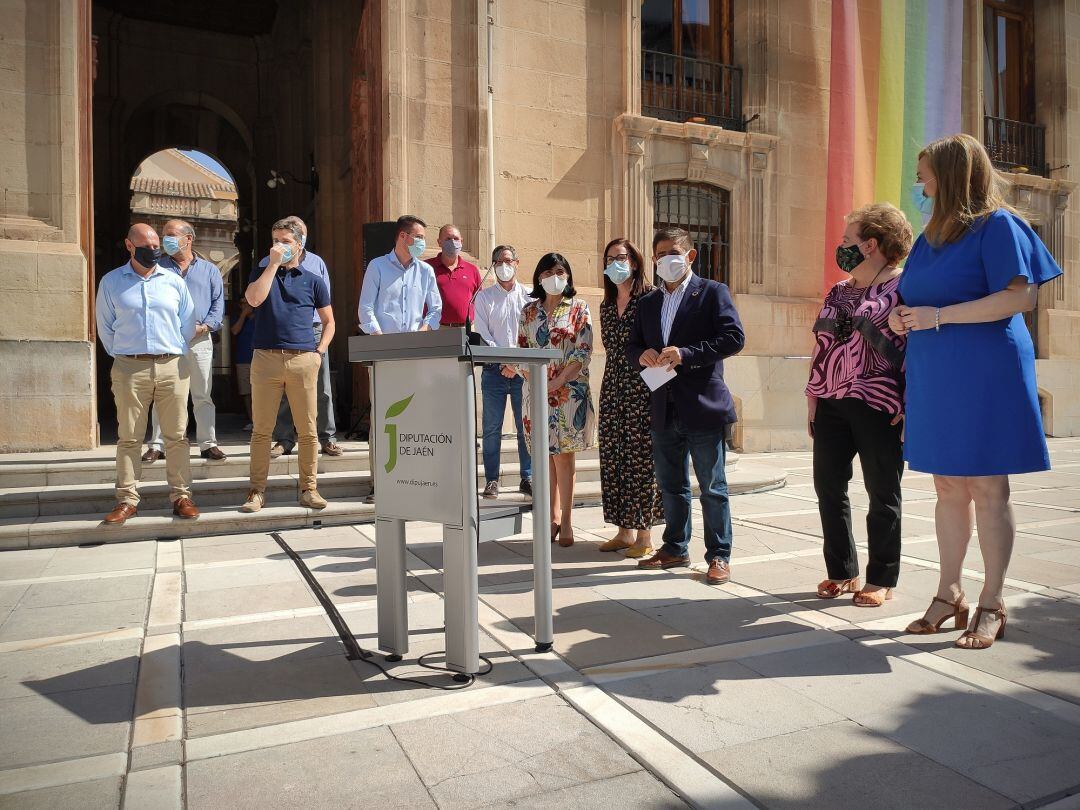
{"type": "Point", "coordinates": [475, 338]}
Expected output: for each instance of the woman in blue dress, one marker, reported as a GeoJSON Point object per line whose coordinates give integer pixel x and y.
{"type": "Point", "coordinates": [972, 404]}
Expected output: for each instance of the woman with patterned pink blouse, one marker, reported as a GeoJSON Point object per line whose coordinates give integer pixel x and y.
{"type": "Point", "coordinates": [855, 401]}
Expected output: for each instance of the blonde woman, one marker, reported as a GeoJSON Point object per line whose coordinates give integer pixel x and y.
{"type": "Point", "coordinates": [972, 405]}
{"type": "Point", "coordinates": [855, 401]}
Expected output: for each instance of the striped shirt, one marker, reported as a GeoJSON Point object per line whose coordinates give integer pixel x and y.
{"type": "Point", "coordinates": [671, 305]}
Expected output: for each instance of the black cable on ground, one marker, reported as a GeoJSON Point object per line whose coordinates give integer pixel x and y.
{"type": "Point", "coordinates": [354, 652]}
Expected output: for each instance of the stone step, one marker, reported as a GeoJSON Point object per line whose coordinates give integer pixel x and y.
{"type": "Point", "coordinates": [53, 469]}
{"type": "Point", "coordinates": [280, 513]}
{"type": "Point", "coordinates": [75, 499]}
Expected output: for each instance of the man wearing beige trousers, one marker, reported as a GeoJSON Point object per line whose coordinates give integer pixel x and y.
{"type": "Point", "coordinates": [287, 359]}
{"type": "Point", "coordinates": [146, 320]}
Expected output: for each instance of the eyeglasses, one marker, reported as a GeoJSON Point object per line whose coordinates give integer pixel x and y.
{"type": "Point", "coordinates": [622, 257]}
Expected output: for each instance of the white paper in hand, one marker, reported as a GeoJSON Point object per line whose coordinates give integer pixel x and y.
{"type": "Point", "coordinates": [655, 376]}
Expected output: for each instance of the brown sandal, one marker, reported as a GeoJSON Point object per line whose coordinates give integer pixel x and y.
{"type": "Point", "coordinates": [960, 612]}
{"type": "Point", "coordinates": [871, 599]}
{"type": "Point", "coordinates": [977, 640]}
{"type": "Point", "coordinates": [830, 588]}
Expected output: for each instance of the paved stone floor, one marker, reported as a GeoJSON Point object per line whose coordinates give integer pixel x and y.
{"type": "Point", "coordinates": [202, 673]}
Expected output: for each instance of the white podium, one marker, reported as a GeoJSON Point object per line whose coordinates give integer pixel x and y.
{"type": "Point", "coordinates": [423, 458]}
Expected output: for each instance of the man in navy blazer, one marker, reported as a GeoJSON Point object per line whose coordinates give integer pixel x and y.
{"type": "Point", "coordinates": [688, 324]}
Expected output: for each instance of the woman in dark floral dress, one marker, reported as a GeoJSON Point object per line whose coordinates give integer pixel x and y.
{"type": "Point", "coordinates": [627, 480]}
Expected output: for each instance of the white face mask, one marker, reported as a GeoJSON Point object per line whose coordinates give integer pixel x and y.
{"type": "Point", "coordinates": [671, 268]}
{"type": "Point", "coordinates": [554, 285]}
{"type": "Point", "coordinates": [504, 271]}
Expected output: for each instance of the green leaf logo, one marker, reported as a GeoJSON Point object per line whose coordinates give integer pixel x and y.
{"type": "Point", "coordinates": [391, 430]}
{"type": "Point", "coordinates": [399, 407]}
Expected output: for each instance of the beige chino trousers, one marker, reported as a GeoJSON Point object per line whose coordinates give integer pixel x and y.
{"type": "Point", "coordinates": [135, 385]}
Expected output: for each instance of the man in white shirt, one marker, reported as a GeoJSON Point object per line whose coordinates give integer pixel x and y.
{"type": "Point", "coordinates": [498, 316]}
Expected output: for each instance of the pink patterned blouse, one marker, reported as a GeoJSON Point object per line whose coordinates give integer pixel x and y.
{"type": "Point", "coordinates": [856, 354]}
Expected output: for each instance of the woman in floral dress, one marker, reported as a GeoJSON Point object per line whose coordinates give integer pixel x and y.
{"type": "Point", "coordinates": [631, 497]}
{"type": "Point", "coordinates": [558, 320]}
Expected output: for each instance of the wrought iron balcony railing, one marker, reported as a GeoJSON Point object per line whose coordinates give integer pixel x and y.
{"type": "Point", "coordinates": [1015, 146]}
{"type": "Point", "coordinates": [678, 88]}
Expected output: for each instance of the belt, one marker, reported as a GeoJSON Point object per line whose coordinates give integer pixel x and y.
{"type": "Point", "coordinates": [462, 324]}
{"type": "Point", "coordinates": [287, 351]}
{"type": "Point", "coordinates": [149, 356]}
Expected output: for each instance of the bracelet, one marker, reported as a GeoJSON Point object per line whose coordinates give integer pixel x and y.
{"type": "Point", "coordinates": [937, 319]}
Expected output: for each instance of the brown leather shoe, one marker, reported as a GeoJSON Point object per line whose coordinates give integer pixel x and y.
{"type": "Point", "coordinates": [152, 455]}
{"type": "Point", "coordinates": [662, 559]}
{"type": "Point", "coordinates": [719, 572]}
{"type": "Point", "coordinates": [214, 454]}
{"type": "Point", "coordinates": [185, 508]}
{"type": "Point", "coordinates": [332, 449]}
{"type": "Point", "coordinates": [120, 513]}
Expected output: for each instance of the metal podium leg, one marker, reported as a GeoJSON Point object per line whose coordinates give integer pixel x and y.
{"type": "Point", "coordinates": [392, 593]}
{"type": "Point", "coordinates": [541, 508]}
{"type": "Point", "coordinates": [461, 595]}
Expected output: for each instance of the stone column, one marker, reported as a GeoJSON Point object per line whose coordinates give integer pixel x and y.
{"type": "Point", "coordinates": [46, 349]}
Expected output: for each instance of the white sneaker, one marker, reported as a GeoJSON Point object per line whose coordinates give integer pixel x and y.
{"type": "Point", "coordinates": [312, 499]}
{"type": "Point", "coordinates": [254, 502]}
{"type": "Point", "coordinates": [491, 490]}
{"type": "Point", "coordinates": [250, 426]}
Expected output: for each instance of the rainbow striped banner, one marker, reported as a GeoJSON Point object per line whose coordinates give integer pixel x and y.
{"type": "Point", "coordinates": [895, 85]}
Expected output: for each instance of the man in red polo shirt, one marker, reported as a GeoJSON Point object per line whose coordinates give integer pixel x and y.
{"type": "Point", "coordinates": [458, 279]}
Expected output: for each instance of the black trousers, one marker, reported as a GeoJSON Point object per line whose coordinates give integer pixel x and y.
{"type": "Point", "coordinates": [843, 428]}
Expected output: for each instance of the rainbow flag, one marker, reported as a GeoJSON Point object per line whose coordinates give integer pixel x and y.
{"type": "Point", "coordinates": [895, 84]}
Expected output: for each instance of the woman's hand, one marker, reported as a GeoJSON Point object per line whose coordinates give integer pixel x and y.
{"type": "Point", "coordinates": [896, 321]}
{"type": "Point", "coordinates": [555, 383]}
{"type": "Point", "coordinates": [811, 412]}
{"type": "Point", "coordinates": [508, 371]}
{"type": "Point", "coordinates": [897, 420]}
{"type": "Point", "coordinates": [918, 318]}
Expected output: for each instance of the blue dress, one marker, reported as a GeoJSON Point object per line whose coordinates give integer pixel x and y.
{"type": "Point", "coordinates": [972, 406]}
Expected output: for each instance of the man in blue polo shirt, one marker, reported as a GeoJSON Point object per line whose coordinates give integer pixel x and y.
{"type": "Point", "coordinates": [286, 360]}
{"type": "Point", "coordinates": [203, 281]}
{"type": "Point", "coordinates": [284, 432]}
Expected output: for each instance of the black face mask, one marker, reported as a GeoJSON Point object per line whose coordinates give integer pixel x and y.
{"type": "Point", "coordinates": [848, 258]}
{"type": "Point", "coordinates": [147, 256]}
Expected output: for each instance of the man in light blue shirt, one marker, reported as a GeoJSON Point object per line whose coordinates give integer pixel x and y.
{"type": "Point", "coordinates": [145, 320]}
{"type": "Point", "coordinates": [399, 292]}
{"type": "Point", "coordinates": [285, 430]}
{"type": "Point", "coordinates": [203, 279]}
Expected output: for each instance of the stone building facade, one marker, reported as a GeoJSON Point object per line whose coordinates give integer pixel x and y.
{"type": "Point", "coordinates": [388, 101]}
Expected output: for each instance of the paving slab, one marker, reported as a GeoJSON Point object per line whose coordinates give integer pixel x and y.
{"type": "Point", "coordinates": [69, 667]}
{"type": "Point", "coordinates": [44, 622]}
{"type": "Point", "coordinates": [65, 725]}
{"type": "Point", "coordinates": [476, 758]}
{"type": "Point", "coordinates": [843, 765]}
{"type": "Point", "coordinates": [97, 793]}
{"type": "Point", "coordinates": [106, 557]}
{"type": "Point", "coordinates": [87, 591]}
{"type": "Point", "coordinates": [365, 768]}
{"type": "Point", "coordinates": [251, 599]}
{"type": "Point", "coordinates": [708, 707]}
{"type": "Point", "coordinates": [262, 572]}
{"type": "Point", "coordinates": [216, 649]}
{"type": "Point", "coordinates": [639, 790]}
{"type": "Point", "coordinates": [722, 621]}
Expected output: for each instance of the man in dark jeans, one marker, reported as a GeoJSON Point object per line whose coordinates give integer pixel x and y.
{"type": "Point", "coordinates": [688, 325]}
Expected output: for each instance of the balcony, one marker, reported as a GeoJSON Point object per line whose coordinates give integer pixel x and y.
{"type": "Point", "coordinates": [678, 88]}
{"type": "Point", "coordinates": [1015, 146]}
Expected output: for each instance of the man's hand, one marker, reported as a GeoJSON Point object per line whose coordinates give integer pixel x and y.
{"type": "Point", "coordinates": [669, 357]}
{"type": "Point", "coordinates": [811, 412]}
{"type": "Point", "coordinates": [236, 328]}
{"type": "Point", "coordinates": [649, 358]}
{"type": "Point", "coordinates": [508, 371]}
{"type": "Point", "coordinates": [202, 329]}
{"type": "Point", "coordinates": [424, 328]}
{"type": "Point", "coordinates": [277, 253]}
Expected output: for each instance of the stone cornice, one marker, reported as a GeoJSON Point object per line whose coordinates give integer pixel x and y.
{"type": "Point", "coordinates": [642, 127]}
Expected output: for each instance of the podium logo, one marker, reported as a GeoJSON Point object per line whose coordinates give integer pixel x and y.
{"type": "Point", "coordinates": [390, 429]}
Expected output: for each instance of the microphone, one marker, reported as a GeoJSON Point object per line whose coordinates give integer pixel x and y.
{"type": "Point", "coordinates": [475, 338]}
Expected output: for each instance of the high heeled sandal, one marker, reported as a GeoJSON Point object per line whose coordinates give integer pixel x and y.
{"type": "Point", "coordinates": [960, 608]}
{"type": "Point", "coordinates": [830, 589]}
{"type": "Point", "coordinates": [978, 640]}
{"type": "Point", "coordinates": [871, 599]}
